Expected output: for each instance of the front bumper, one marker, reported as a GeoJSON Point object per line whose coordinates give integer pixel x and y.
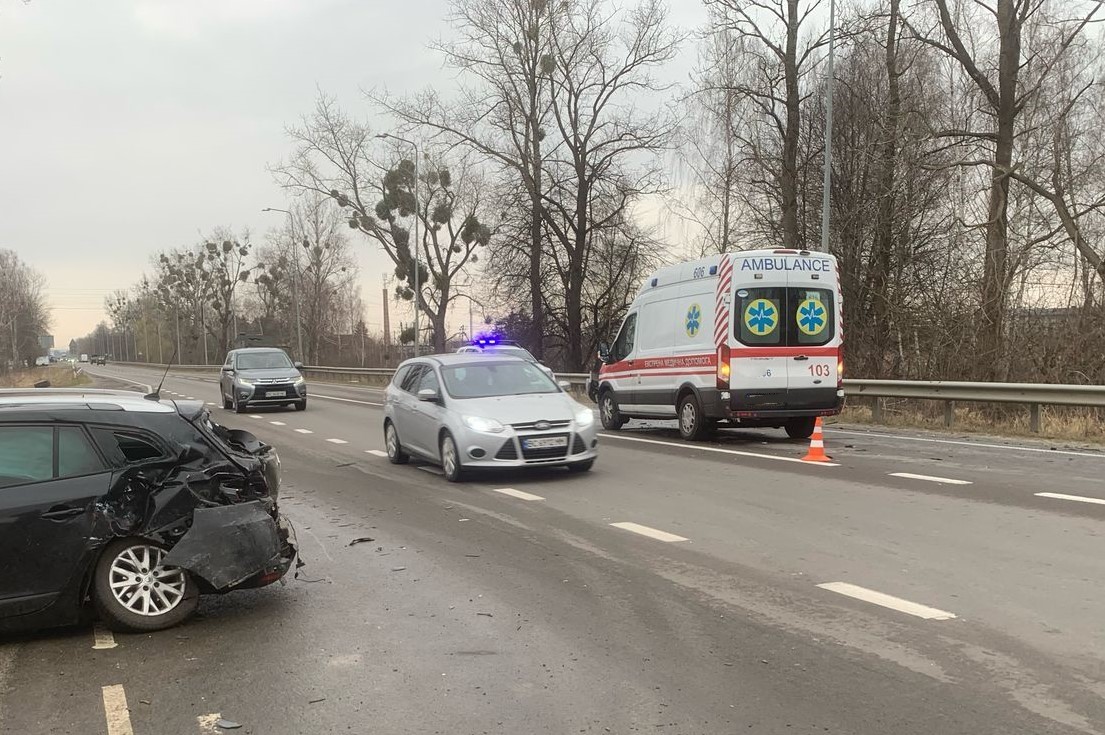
{"type": "Point", "coordinates": [270, 395]}
{"type": "Point", "coordinates": [509, 448]}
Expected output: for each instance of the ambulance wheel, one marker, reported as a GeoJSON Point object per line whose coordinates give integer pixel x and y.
{"type": "Point", "coordinates": [800, 428]}
{"type": "Point", "coordinates": [693, 426]}
{"type": "Point", "coordinates": [609, 413]}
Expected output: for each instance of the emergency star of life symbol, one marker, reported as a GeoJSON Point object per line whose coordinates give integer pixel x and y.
{"type": "Point", "coordinates": [811, 317]}
{"type": "Point", "coordinates": [760, 317]}
{"type": "Point", "coordinates": [694, 319]}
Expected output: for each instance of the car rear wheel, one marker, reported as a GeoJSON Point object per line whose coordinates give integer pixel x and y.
{"type": "Point", "coordinates": [450, 459]}
{"type": "Point", "coordinates": [134, 593]}
{"type": "Point", "coordinates": [396, 455]}
{"type": "Point", "coordinates": [800, 428]}
{"type": "Point", "coordinates": [609, 412]}
{"type": "Point", "coordinates": [693, 426]}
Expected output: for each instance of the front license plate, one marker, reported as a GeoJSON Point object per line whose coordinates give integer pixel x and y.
{"type": "Point", "coordinates": [545, 442]}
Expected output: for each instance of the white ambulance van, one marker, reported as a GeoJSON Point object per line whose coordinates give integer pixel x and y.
{"type": "Point", "coordinates": [751, 338]}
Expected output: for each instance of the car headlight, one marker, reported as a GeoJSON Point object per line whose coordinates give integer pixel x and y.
{"type": "Point", "coordinates": [479, 423]}
{"type": "Point", "coordinates": [300, 381]}
{"type": "Point", "coordinates": [584, 417]}
{"type": "Point", "coordinates": [247, 381]}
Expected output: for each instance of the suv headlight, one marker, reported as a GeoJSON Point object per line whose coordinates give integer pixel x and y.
{"type": "Point", "coordinates": [246, 381]}
{"type": "Point", "coordinates": [299, 381]}
{"type": "Point", "coordinates": [479, 423]}
{"type": "Point", "coordinates": [584, 417]}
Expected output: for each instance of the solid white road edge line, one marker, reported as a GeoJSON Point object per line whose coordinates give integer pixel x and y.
{"type": "Point", "coordinates": [146, 387]}
{"type": "Point", "coordinates": [1078, 498]}
{"type": "Point", "coordinates": [103, 638]}
{"type": "Point", "coordinates": [884, 600]}
{"type": "Point", "coordinates": [700, 448]}
{"type": "Point", "coordinates": [376, 452]}
{"type": "Point", "coordinates": [517, 493]}
{"type": "Point", "coordinates": [930, 478]}
{"type": "Point", "coordinates": [304, 431]}
{"type": "Point", "coordinates": [966, 444]}
{"type": "Point", "coordinates": [337, 441]}
{"type": "Point", "coordinates": [650, 532]}
{"type": "Point", "coordinates": [115, 710]}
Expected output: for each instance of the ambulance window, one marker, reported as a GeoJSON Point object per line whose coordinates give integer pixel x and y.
{"type": "Point", "coordinates": [812, 314]}
{"type": "Point", "coordinates": [759, 316]}
{"type": "Point", "coordinates": [623, 345]}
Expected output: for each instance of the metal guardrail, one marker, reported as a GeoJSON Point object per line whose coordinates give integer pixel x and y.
{"type": "Point", "coordinates": [1033, 395]}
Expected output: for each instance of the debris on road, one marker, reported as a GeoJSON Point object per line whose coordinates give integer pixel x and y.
{"type": "Point", "coordinates": [360, 540]}
{"type": "Point", "coordinates": [485, 614]}
{"type": "Point", "coordinates": [316, 701]}
{"type": "Point", "coordinates": [397, 569]}
{"type": "Point", "coordinates": [225, 724]}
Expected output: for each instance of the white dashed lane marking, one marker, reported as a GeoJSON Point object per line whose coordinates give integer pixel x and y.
{"type": "Point", "coordinates": [255, 416]}
{"type": "Point", "coordinates": [700, 448]}
{"type": "Point", "coordinates": [650, 532]}
{"type": "Point", "coordinates": [337, 441]}
{"type": "Point", "coordinates": [376, 452]}
{"type": "Point", "coordinates": [1076, 498]}
{"type": "Point", "coordinates": [278, 423]}
{"type": "Point", "coordinates": [517, 493]}
{"type": "Point", "coordinates": [930, 478]}
{"type": "Point", "coordinates": [889, 601]}
{"type": "Point", "coordinates": [103, 638]}
{"type": "Point", "coordinates": [304, 431]}
{"type": "Point", "coordinates": [115, 710]}
{"type": "Point", "coordinates": [209, 403]}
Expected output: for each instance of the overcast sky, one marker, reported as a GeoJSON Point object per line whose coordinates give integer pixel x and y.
{"type": "Point", "coordinates": [131, 126]}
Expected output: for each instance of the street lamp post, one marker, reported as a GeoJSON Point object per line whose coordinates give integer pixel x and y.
{"type": "Point", "coordinates": [828, 172]}
{"type": "Point", "coordinates": [295, 284]}
{"type": "Point", "coordinates": [417, 242]}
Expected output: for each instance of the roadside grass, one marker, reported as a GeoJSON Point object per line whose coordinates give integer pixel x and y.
{"type": "Point", "coordinates": [60, 376]}
{"type": "Point", "coordinates": [1056, 422]}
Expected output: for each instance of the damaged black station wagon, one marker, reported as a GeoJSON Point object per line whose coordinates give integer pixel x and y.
{"type": "Point", "coordinates": [133, 504]}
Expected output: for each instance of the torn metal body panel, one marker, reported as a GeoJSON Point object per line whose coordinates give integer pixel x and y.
{"type": "Point", "coordinates": [160, 472]}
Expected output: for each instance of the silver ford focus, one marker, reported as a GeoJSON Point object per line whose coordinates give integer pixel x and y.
{"type": "Point", "coordinates": [466, 411]}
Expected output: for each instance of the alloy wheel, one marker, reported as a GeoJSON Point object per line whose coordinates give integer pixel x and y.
{"type": "Point", "coordinates": [142, 585]}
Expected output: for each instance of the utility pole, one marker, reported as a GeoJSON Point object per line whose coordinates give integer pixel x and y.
{"type": "Point", "coordinates": [828, 172]}
{"type": "Point", "coordinates": [387, 329]}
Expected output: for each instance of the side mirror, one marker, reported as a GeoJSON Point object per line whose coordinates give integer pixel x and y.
{"type": "Point", "coordinates": [298, 365]}
{"type": "Point", "coordinates": [604, 352]}
{"type": "Point", "coordinates": [228, 370]}
{"type": "Point", "coordinates": [429, 395]}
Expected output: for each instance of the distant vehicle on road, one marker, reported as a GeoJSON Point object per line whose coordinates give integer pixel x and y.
{"type": "Point", "coordinates": [99, 503]}
{"type": "Point", "coordinates": [99, 359]}
{"type": "Point", "coordinates": [467, 411]}
{"type": "Point", "coordinates": [494, 346]}
{"type": "Point", "coordinates": [261, 376]}
{"type": "Point", "coordinates": [84, 358]}
{"type": "Point", "coordinates": [42, 361]}
{"type": "Point", "coordinates": [750, 339]}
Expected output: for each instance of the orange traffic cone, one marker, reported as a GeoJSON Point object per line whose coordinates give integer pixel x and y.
{"type": "Point", "coordinates": [817, 445]}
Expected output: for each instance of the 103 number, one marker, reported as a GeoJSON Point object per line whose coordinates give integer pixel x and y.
{"type": "Point", "coordinates": [820, 370]}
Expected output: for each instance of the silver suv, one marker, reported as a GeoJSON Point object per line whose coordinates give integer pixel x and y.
{"type": "Point", "coordinates": [261, 376]}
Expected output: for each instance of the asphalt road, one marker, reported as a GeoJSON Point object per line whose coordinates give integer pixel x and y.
{"type": "Point", "coordinates": [754, 594]}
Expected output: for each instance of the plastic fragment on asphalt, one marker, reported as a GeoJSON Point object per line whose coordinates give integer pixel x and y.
{"type": "Point", "coordinates": [316, 701]}
{"type": "Point", "coordinates": [397, 569]}
{"type": "Point", "coordinates": [486, 615]}
{"type": "Point", "coordinates": [360, 540]}
{"type": "Point", "coordinates": [227, 724]}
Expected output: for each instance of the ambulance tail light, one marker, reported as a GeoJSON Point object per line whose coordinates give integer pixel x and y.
{"type": "Point", "coordinates": [840, 368]}
{"type": "Point", "coordinates": [723, 368]}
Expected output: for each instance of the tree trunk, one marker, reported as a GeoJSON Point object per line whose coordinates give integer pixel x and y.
{"type": "Point", "coordinates": [995, 268]}
{"type": "Point", "coordinates": [883, 245]}
{"type": "Point", "coordinates": [788, 175]}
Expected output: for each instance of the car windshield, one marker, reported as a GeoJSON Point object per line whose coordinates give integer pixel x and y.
{"type": "Point", "coordinates": [263, 360]}
{"type": "Point", "coordinates": [473, 380]}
